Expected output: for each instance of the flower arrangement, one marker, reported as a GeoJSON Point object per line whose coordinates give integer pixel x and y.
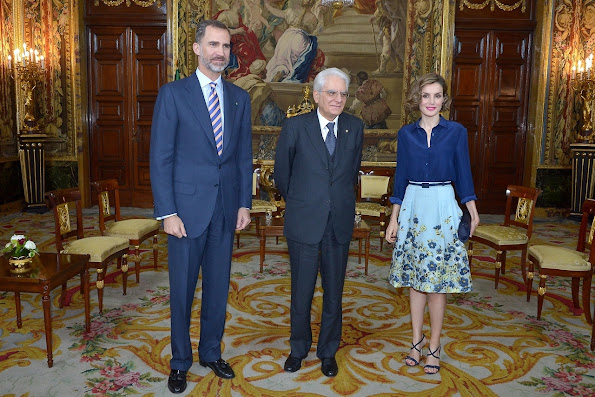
{"type": "Point", "coordinates": [20, 247]}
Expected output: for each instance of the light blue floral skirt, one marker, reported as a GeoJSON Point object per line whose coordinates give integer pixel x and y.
{"type": "Point", "coordinates": [428, 256]}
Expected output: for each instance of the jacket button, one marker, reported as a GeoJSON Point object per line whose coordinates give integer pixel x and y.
{"type": "Point", "coordinates": [216, 185]}
{"type": "Point", "coordinates": [219, 166]}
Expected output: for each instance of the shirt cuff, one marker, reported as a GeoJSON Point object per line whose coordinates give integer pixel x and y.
{"type": "Point", "coordinates": [468, 198]}
{"type": "Point", "coordinates": [160, 218]}
{"type": "Point", "coordinates": [395, 200]}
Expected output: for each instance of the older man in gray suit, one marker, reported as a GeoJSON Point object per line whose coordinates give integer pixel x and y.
{"type": "Point", "coordinates": [316, 166]}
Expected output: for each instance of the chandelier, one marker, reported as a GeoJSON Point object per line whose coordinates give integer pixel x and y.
{"type": "Point", "coordinates": [337, 4]}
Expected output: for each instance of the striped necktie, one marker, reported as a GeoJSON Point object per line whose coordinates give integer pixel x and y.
{"type": "Point", "coordinates": [331, 140]}
{"type": "Point", "coordinates": [215, 113]}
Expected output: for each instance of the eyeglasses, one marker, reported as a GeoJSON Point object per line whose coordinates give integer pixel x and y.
{"type": "Point", "coordinates": [334, 94]}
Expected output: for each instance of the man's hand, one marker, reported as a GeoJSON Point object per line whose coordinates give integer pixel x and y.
{"type": "Point", "coordinates": [173, 225]}
{"type": "Point", "coordinates": [243, 218]}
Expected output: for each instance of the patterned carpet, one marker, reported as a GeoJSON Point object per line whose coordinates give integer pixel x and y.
{"type": "Point", "coordinates": [492, 344]}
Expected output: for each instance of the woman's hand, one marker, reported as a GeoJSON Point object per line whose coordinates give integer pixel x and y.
{"type": "Point", "coordinates": [474, 215]}
{"type": "Point", "coordinates": [393, 226]}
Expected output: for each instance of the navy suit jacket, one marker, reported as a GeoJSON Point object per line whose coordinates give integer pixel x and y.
{"type": "Point", "coordinates": [311, 184]}
{"type": "Point", "coordinates": [186, 172]}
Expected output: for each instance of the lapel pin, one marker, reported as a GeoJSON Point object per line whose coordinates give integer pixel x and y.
{"type": "Point", "coordinates": [346, 131]}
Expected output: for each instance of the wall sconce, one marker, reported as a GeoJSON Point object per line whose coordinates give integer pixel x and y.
{"type": "Point", "coordinates": [583, 82]}
{"type": "Point", "coordinates": [28, 67]}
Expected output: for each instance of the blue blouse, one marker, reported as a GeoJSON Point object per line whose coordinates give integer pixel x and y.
{"type": "Point", "coordinates": [447, 159]}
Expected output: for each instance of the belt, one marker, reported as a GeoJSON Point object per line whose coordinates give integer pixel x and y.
{"type": "Point", "coordinates": [426, 185]}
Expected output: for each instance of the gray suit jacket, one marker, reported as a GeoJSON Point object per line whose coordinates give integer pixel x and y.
{"type": "Point", "coordinates": [311, 184]}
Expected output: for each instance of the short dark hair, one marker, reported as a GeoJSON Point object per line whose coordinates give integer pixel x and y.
{"type": "Point", "coordinates": [202, 28]}
{"type": "Point", "coordinates": [414, 98]}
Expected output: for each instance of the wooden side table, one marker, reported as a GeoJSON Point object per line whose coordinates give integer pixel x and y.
{"type": "Point", "coordinates": [274, 228]}
{"type": "Point", "coordinates": [361, 231]}
{"type": "Point", "coordinates": [48, 271]}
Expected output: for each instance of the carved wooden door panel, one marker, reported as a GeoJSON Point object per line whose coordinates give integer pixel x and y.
{"type": "Point", "coordinates": [490, 92]}
{"type": "Point", "coordinates": [127, 65]}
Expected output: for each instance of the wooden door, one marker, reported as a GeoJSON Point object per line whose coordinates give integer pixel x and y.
{"type": "Point", "coordinates": [490, 92]}
{"type": "Point", "coordinates": [126, 69]}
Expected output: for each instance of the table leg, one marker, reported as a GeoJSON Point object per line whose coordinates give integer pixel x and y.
{"type": "Point", "coordinates": [17, 304]}
{"type": "Point", "coordinates": [367, 254]}
{"type": "Point", "coordinates": [359, 250]}
{"type": "Point", "coordinates": [47, 317]}
{"type": "Point", "coordinates": [84, 291]}
{"type": "Point", "coordinates": [262, 248]}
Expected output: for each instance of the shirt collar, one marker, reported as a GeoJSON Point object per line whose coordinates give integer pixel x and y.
{"type": "Point", "coordinates": [441, 122]}
{"type": "Point", "coordinates": [204, 80]}
{"type": "Point", "coordinates": [323, 121]}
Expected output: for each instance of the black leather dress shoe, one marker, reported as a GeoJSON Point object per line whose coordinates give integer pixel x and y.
{"type": "Point", "coordinates": [292, 364]}
{"type": "Point", "coordinates": [221, 368]}
{"type": "Point", "coordinates": [329, 366]}
{"type": "Point", "coordinates": [177, 381]}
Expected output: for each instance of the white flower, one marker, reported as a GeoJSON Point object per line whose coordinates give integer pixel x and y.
{"type": "Point", "coordinates": [8, 245]}
{"type": "Point", "coordinates": [15, 238]}
{"type": "Point", "coordinates": [30, 245]}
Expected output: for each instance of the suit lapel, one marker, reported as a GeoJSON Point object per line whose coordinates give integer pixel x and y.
{"type": "Point", "coordinates": [196, 102]}
{"type": "Point", "coordinates": [230, 105]}
{"type": "Point", "coordinates": [342, 132]}
{"type": "Point", "coordinates": [315, 135]}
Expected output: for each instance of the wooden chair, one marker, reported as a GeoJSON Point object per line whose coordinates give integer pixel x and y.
{"type": "Point", "coordinates": [559, 261]}
{"type": "Point", "coordinates": [135, 230]}
{"type": "Point", "coordinates": [259, 207]}
{"type": "Point", "coordinates": [514, 234]}
{"type": "Point", "coordinates": [374, 188]}
{"type": "Point", "coordinates": [101, 249]}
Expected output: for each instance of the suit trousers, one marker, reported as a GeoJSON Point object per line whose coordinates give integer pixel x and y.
{"type": "Point", "coordinates": [305, 260]}
{"type": "Point", "coordinates": [211, 251]}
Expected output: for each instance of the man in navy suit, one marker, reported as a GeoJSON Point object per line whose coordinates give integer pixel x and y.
{"type": "Point", "coordinates": [316, 167]}
{"type": "Point", "coordinates": [201, 176]}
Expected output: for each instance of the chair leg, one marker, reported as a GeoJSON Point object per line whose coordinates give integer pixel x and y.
{"type": "Point", "coordinates": [237, 239]}
{"type": "Point", "coordinates": [155, 252]}
{"type": "Point", "coordinates": [17, 305]}
{"type": "Point", "coordinates": [382, 230]}
{"type": "Point", "coordinates": [524, 264]}
{"type": "Point", "coordinates": [503, 262]}
{"type": "Point", "coordinates": [124, 261]}
{"type": "Point", "coordinates": [587, 297]}
{"type": "Point", "coordinates": [99, 284]}
{"type": "Point", "coordinates": [540, 296]}
{"type": "Point", "coordinates": [470, 251]}
{"type": "Point", "coordinates": [529, 281]}
{"type": "Point", "coordinates": [137, 262]}
{"type": "Point", "coordinates": [497, 268]}
{"type": "Point", "coordinates": [593, 336]}
{"type": "Point", "coordinates": [62, 296]}
{"type": "Point", "coordinates": [575, 285]}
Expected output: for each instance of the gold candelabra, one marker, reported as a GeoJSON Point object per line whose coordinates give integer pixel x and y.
{"type": "Point", "coordinates": [583, 82]}
{"type": "Point", "coordinates": [28, 67]}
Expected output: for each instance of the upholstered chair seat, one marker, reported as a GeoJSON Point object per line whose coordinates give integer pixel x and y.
{"type": "Point", "coordinates": [553, 260]}
{"type": "Point", "coordinates": [262, 206]}
{"type": "Point", "coordinates": [99, 248]}
{"type": "Point", "coordinates": [132, 229]}
{"type": "Point", "coordinates": [501, 235]}
{"type": "Point", "coordinates": [514, 234]}
{"type": "Point", "coordinates": [372, 209]}
{"type": "Point", "coordinates": [552, 257]}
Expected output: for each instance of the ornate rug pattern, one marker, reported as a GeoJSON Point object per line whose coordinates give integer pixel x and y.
{"type": "Point", "coordinates": [492, 343]}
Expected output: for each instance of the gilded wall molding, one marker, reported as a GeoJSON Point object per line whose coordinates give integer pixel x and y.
{"type": "Point", "coordinates": [480, 5]}
{"type": "Point", "coordinates": [187, 14]}
{"type": "Point", "coordinates": [430, 27]}
{"type": "Point", "coordinates": [115, 3]}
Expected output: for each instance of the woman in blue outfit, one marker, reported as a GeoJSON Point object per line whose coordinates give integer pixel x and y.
{"type": "Point", "coordinates": [428, 257]}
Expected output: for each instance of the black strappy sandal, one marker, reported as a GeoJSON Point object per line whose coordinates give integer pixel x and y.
{"type": "Point", "coordinates": [415, 346]}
